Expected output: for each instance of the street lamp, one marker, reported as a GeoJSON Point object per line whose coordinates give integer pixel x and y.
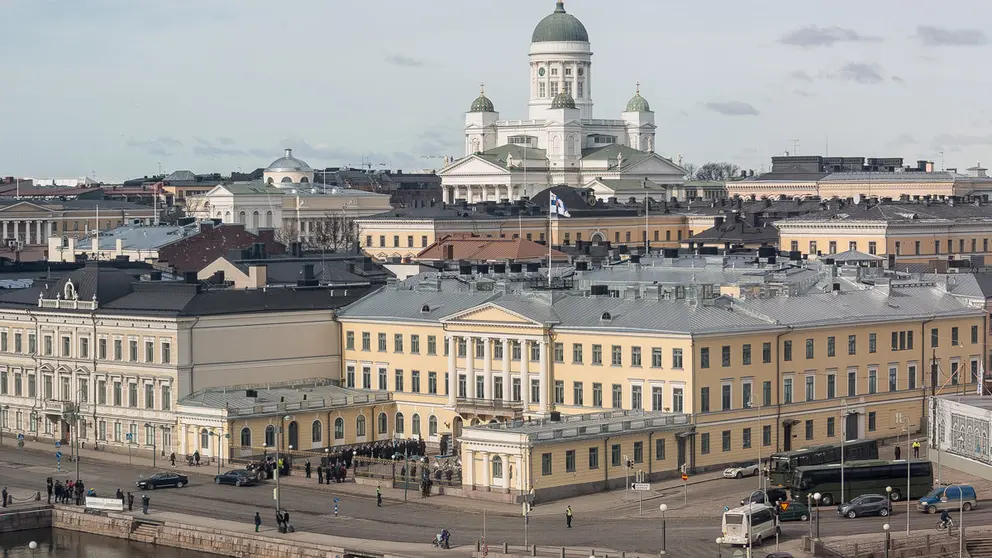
{"type": "Point", "coordinates": [278, 460]}
{"type": "Point", "coordinates": [149, 427]}
{"type": "Point", "coordinates": [960, 515]}
{"type": "Point", "coordinates": [888, 538]}
{"type": "Point", "coordinates": [74, 416]}
{"type": "Point", "coordinates": [817, 497]}
{"type": "Point", "coordinates": [664, 529]}
{"type": "Point", "coordinates": [719, 547]}
{"type": "Point", "coordinates": [3, 421]}
{"type": "Point", "coordinates": [751, 404]}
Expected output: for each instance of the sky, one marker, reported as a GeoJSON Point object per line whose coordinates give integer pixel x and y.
{"type": "Point", "coordinates": [120, 88]}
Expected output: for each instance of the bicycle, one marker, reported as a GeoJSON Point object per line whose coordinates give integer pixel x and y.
{"type": "Point", "coordinates": [942, 525]}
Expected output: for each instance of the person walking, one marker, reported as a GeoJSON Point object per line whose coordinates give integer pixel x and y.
{"type": "Point", "coordinates": [130, 502]}
{"type": "Point", "coordinates": [320, 475]}
{"type": "Point", "coordinates": [144, 504]}
{"type": "Point", "coordinates": [568, 516]}
{"type": "Point", "coordinates": [196, 458]}
{"type": "Point", "coordinates": [916, 449]}
{"type": "Point", "coordinates": [378, 496]}
{"type": "Point", "coordinates": [258, 521]}
{"type": "Point", "coordinates": [898, 453]}
{"type": "Point", "coordinates": [3, 496]}
{"type": "Point", "coordinates": [172, 458]}
{"type": "Point", "coordinates": [306, 469]}
{"type": "Point", "coordinates": [120, 496]}
{"type": "Point", "coordinates": [51, 487]}
{"type": "Point", "coordinates": [279, 524]}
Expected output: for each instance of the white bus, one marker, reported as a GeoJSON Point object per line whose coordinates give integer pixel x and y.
{"type": "Point", "coordinates": [753, 521]}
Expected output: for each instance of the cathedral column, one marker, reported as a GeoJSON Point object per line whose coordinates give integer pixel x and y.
{"type": "Point", "coordinates": [38, 224]}
{"type": "Point", "coordinates": [487, 369]}
{"type": "Point", "coordinates": [5, 235]}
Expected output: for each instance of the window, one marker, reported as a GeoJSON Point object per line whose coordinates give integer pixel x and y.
{"type": "Point", "coordinates": [974, 334]}
{"type": "Point", "coordinates": [415, 344]}
{"type": "Point", "coordinates": [635, 356]}
{"type": "Point", "coordinates": [246, 437]}
{"type": "Point", "coordinates": [382, 374]}
{"type": "Point", "coordinates": [831, 427]}
{"type": "Point", "coordinates": [461, 386]}
{"type": "Point", "coordinates": [149, 396]}
{"type": "Point", "coordinates": [617, 396]}
{"type": "Point", "coordinates": [615, 455]}
{"type": "Point", "coordinates": [638, 452]}
{"type": "Point", "coordinates": [577, 393]}
{"type": "Point", "coordinates": [366, 377]}
{"type": "Point", "coordinates": [597, 395]}
{"type": "Point", "coordinates": [746, 354]}
{"type": "Point", "coordinates": [893, 378]}
{"type": "Point", "coordinates": [366, 341]}
{"type": "Point", "coordinates": [831, 386]}
{"type": "Point", "coordinates": [166, 352]}
{"type": "Point", "coordinates": [766, 393]}
{"type": "Point", "coordinates": [872, 247]}
{"type": "Point", "coordinates": [398, 380]}
{"type": "Point", "coordinates": [576, 353]}
{"type": "Point", "coordinates": [677, 400]}
{"type": "Point", "coordinates": [725, 403]}
{"type": "Point", "coordinates": [746, 394]}
{"type": "Point", "coordinates": [316, 431]}
{"type": "Point", "coordinates": [398, 343]}
{"type": "Point", "coordinates": [515, 390]}
{"type": "Point", "coordinates": [383, 423]}
{"type": "Point", "coordinates": [809, 349]}
{"type": "Point", "coordinates": [400, 425]}
{"type": "Point", "coordinates": [934, 337]}
{"type": "Point", "coordinates": [569, 461]}
{"type": "Point", "coordinates": [594, 458]}
{"type": "Point", "coordinates": [704, 357]}
{"type": "Point", "coordinates": [832, 247]}
{"type": "Point", "coordinates": [852, 383]}
{"type": "Point", "coordinates": [497, 387]}
{"type": "Point", "coordinates": [48, 345]}
{"type": "Point", "coordinates": [382, 342]}
{"type": "Point", "coordinates": [415, 424]}
{"type": "Point", "coordinates": [746, 438]}
{"type": "Point", "coordinates": [911, 376]}
{"type": "Point", "coordinates": [787, 350]}
{"type": "Point", "coordinates": [545, 464]}
{"type": "Point", "coordinates": [656, 357]}
{"type": "Point", "coordinates": [616, 358]}
{"type": "Point", "coordinates": [766, 353]}
{"type": "Point", "coordinates": [704, 443]}
{"type": "Point", "coordinates": [3, 341]}
{"type": "Point", "coordinates": [676, 358]}
{"type": "Point", "coordinates": [954, 337]}
{"type": "Point", "coordinates": [954, 373]}
{"type": "Point", "coordinates": [704, 400]}
{"type": "Point", "coordinates": [831, 346]}
{"type": "Point", "coordinates": [359, 427]}
{"type": "Point", "coordinates": [810, 384]}
{"type": "Point", "coordinates": [132, 394]}
{"type": "Point", "coordinates": [635, 397]}
{"type": "Point", "coordinates": [498, 350]}
{"type": "Point", "coordinates": [515, 352]}
{"type": "Point", "coordinates": [872, 343]}
{"type": "Point", "coordinates": [725, 356]}
{"type": "Point", "coordinates": [597, 354]}
{"type": "Point", "coordinates": [872, 381]}
{"type": "Point", "coordinates": [166, 398]}
{"type": "Point", "coordinates": [659, 449]}
{"type": "Point", "coordinates": [852, 345]}
{"type": "Point", "coordinates": [535, 352]}
{"type": "Point", "coordinates": [787, 390]}
{"type": "Point", "coordinates": [339, 427]}
{"type": "Point", "coordinates": [66, 346]}
{"type": "Point", "coordinates": [809, 429]}
{"type": "Point", "coordinates": [766, 435]}
{"type": "Point", "coordinates": [657, 398]}
{"type": "Point", "coordinates": [559, 392]}
{"type": "Point", "coordinates": [812, 247]}
{"type": "Point", "coordinates": [149, 351]}
{"type": "Point", "coordinates": [132, 350]}
{"type": "Point", "coordinates": [118, 394]}
{"type": "Point", "coordinates": [559, 352]}
{"type": "Point", "coordinates": [872, 423]}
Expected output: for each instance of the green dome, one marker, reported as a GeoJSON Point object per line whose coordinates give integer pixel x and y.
{"type": "Point", "coordinates": [563, 101]}
{"type": "Point", "coordinates": [560, 26]}
{"type": "Point", "coordinates": [482, 103]}
{"type": "Point", "coordinates": [638, 103]}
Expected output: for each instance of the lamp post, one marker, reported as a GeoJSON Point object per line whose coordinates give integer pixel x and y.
{"type": "Point", "coordinates": [3, 421]}
{"type": "Point", "coordinates": [664, 529]}
{"type": "Point", "coordinates": [843, 449]}
{"type": "Point", "coordinates": [719, 547]}
{"type": "Point", "coordinates": [149, 427]}
{"type": "Point", "coordinates": [960, 516]}
{"type": "Point", "coordinates": [888, 539]}
{"type": "Point", "coordinates": [278, 493]}
{"type": "Point", "coordinates": [74, 416]}
{"type": "Point", "coordinates": [817, 497]}
{"type": "Point", "coordinates": [751, 404]}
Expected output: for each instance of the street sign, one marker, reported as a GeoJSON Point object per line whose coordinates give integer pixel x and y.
{"type": "Point", "coordinates": [128, 437]}
{"type": "Point", "coordinates": [20, 437]}
{"type": "Point", "coordinates": [685, 477]}
{"type": "Point", "coordinates": [58, 444]}
{"type": "Point", "coordinates": [58, 455]}
{"type": "Point", "coordinates": [643, 486]}
{"type": "Point", "coordinates": [784, 506]}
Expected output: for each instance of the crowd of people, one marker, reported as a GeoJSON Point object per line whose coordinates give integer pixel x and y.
{"type": "Point", "coordinates": [69, 492]}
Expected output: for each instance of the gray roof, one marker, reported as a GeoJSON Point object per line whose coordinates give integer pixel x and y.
{"type": "Point", "coordinates": [890, 177]}
{"type": "Point", "coordinates": [699, 270]}
{"type": "Point", "coordinates": [588, 425]}
{"type": "Point", "coordinates": [851, 256]}
{"type": "Point", "coordinates": [627, 184]}
{"type": "Point", "coordinates": [140, 237]}
{"type": "Point", "coordinates": [786, 177]}
{"type": "Point", "coordinates": [901, 211]}
{"type": "Point", "coordinates": [92, 282]}
{"type": "Point", "coordinates": [317, 391]}
{"type": "Point", "coordinates": [181, 175]}
{"type": "Point", "coordinates": [736, 232]}
{"type": "Point", "coordinates": [254, 188]}
{"type": "Point", "coordinates": [288, 163]}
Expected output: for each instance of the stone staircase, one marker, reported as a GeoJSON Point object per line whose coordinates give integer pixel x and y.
{"type": "Point", "coordinates": [144, 532]}
{"type": "Point", "coordinates": [979, 548]}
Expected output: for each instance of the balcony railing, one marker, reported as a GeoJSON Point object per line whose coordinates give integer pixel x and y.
{"type": "Point", "coordinates": [321, 403]}
{"type": "Point", "coordinates": [488, 405]}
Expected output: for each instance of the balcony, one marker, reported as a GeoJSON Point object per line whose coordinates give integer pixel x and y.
{"type": "Point", "coordinates": [60, 408]}
{"type": "Point", "coordinates": [491, 407]}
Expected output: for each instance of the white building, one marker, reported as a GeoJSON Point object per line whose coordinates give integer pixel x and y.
{"type": "Point", "coordinates": [560, 142]}
{"type": "Point", "coordinates": [960, 432]}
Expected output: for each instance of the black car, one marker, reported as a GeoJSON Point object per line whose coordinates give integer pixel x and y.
{"type": "Point", "coordinates": [866, 504]}
{"type": "Point", "coordinates": [237, 477]}
{"type": "Point", "coordinates": [162, 480]}
{"type": "Point", "coordinates": [774, 495]}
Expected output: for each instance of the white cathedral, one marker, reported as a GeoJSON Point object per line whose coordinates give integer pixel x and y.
{"type": "Point", "coordinates": [560, 142]}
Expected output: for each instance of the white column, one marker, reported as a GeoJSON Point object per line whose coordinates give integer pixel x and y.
{"type": "Point", "coordinates": [543, 378]}
{"type": "Point", "coordinates": [507, 388]}
{"type": "Point", "coordinates": [487, 368]}
{"type": "Point", "coordinates": [27, 232]}
{"type": "Point", "coordinates": [51, 231]}
{"type": "Point", "coordinates": [505, 457]}
{"type": "Point", "coordinates": [470, 367]}
{"type": "Point", "coordinates": [41, 239]}
{"type": "Point", "coordinates": [487, 473]}
{"type": "Point", "coordinates": [16, 226]}
{"type": "Point", "coordinates": [525, 373]}
{"type": "Point", "coordinates": [452, 371]}
{"type": "Point", "coordinates": [5, 230]}
{"type": "Point", "coordinates": [469, 469]}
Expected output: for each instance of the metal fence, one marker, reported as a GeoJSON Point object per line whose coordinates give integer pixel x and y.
{"type": "Point", "coordinates": [924, 546]}
{"type": "Point", "coordinates": [441, 471]}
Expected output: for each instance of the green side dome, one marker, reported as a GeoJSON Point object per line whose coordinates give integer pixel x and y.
{"type": "Point", "coordinates": [560, 26]}
{"type": "Point", "coordinates": [638, 103]}
{"type": "Point", "coordinates": [563, 101]}
{"type": "Point", "coordinates": [482, 103]}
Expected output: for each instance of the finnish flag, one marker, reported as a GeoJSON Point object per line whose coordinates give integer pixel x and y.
{"type": "Point", "coordinates": [558, 206]}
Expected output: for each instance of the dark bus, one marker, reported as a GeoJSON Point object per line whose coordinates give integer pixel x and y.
{"type": "Point", "coordinates": [782, 464]}
{"type": "Point", "coordinates": [863, 477]}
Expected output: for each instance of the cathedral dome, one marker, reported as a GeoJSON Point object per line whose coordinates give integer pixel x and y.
{"type": "Point", "coordinates": [560, 26]}
{"type": "Point", "coordinates": [482, 103]}
{"type": "Point", "coordinates": [563, 101]}
{"type": "Point", "coordinates": [638, 103]}
{"type": "Point", "coordinates": [288, 163]}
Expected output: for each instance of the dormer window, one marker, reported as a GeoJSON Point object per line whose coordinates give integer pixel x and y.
{"type": "Point", "coordinates": [425, 309]}
{"type": "Point", "coordinates": [69, 292]}
{"type": "Point", "coordinates": [606, 317]}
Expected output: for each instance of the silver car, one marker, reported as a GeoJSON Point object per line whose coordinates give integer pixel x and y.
{"type": "Point", "coordinates": [741, 471]}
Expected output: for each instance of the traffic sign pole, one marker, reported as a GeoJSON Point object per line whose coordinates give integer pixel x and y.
{"type": "Point", "coordinates": [685, 489]}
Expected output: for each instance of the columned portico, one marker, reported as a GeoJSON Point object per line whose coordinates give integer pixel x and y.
{"type": "Point", "coordinates": [452, 371]}
{"type": "Point", "coordinates": [487, 370]}
{"type": "Point", "coordinates": [507, 388]}
{"type": "Point", "coordinates": [478, 394]}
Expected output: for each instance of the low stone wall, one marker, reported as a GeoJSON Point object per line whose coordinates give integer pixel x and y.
{"type": "Point", "coordinates": [12, 520]}
{"type": "Point", "coordinates": [192, 537]}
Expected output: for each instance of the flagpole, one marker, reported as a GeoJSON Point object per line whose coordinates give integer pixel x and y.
{"type": "Point", "coordinates": [549, 243]}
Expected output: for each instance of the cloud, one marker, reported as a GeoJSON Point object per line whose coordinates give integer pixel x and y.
{"type": "Point", "coordinates": [225, 141]}
{"type": "Point", "coordinates": [162, 146]}
{"type": "Point", "coordinates": [957, 141]}
{"type": "Point", "coordinates": [865, 74]}
{"type": "Point", "coordinates": [732, 108]}
{"type": "Point", "coordinates": [206, 148]}
{"type": "Point", "coordinates": [812, 36]}
{"type": "Point", "coordinates": [901, 140]}
{"type": "Point", "coordinates": [897, 79]}
{"type": "Point", "coordinates": [404, 61]}
{"type": "Point", "coordinates": [800, 75]}
{"type": "Point", "coordinates": [941, 36]}
{"type": "Point", "coordinates": [801, 93]}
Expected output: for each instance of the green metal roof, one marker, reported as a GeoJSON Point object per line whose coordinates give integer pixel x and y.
{"type": "Point", "coordinates": [638, 104]}
{"type": "Point", "coordinates": [560, 26]}
{"type": "Point", "coordinates": [562, 101]}
{"type": "Point", "coordinates": [482, 104]}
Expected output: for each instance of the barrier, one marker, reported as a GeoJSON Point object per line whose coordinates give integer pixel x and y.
{"type": "Point", "coordinates": [107, 504]}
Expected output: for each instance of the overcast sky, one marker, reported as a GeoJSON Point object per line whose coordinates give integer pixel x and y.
{"type": "Point", "coordinates": [116, 87]}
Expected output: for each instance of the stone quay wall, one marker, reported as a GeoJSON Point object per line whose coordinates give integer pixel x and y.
{"type": "Point", "coordinates": [25, 519]}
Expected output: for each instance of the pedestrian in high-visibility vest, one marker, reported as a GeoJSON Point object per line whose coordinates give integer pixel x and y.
{"type": "Point", "coordinates": [916, 449]}
{"type": "Point", "coordinates": [568, 516]}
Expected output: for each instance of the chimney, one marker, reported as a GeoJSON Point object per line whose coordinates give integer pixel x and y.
{"type": "Point", "coordinates": [308, 272]}
{"type": "Point", "coordinates": [190, 277]}
{"type": "Point", "coordinates": [257, 276]}
{"type": "Point", "coordinates": [155, 276]}
{"type": "Point", "coordinates": [448, 251]}
{"type": "Point", "coordinates": [718, 221]}
{"type": "Point", "coordinates": [289, 152]}
{"type": "Point", "coordinates": [119, 246]}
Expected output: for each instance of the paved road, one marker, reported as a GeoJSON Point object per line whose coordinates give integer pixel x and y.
{"type": "Point", "coordinates": [312, 510]}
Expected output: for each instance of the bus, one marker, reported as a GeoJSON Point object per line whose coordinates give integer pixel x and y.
{"type": "Point", "coordinates": [782, 464]}
{"type": "Point", "coordinates": [862, 477]}
{"type": "Point", "coordinates": [749, 525]}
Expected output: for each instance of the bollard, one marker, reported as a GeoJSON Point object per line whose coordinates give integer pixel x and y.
{"type": "Point", "coordinates": [563, 552]}
{"type": "Point", "coordinates": [533, 550]}
{"type": "Point", "coordinates": [506, 548]}
{"type": "Point", "coordinates": [478, 546]}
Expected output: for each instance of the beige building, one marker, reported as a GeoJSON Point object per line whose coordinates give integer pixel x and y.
{"type": "Point", "coordinates": [122, 352]}
{"type": "Point", "coordinates": [33, 222]}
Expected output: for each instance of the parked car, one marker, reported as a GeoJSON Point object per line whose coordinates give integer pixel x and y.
{"type": "Point", "coordinates": [794, 511]}
{"type": "Point", "coordinates": [774, 495]}
{"type": "Point", "coordinates": [162, 480]}
{"type": "Point", "coordinates": [741, 471]}
{"type": "Point", "coordinates": [237, 477]}
{"type": "Point", "coordinates": [779, 555]}
{"type": "Point", "coordinates": [949, 498]}
{"type": "Point", "coordinates": [866, 504]}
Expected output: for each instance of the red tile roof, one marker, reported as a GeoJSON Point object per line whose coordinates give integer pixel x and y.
{"type": "Point", "coordinates": [474, 248]}
{"type": "Point", "coordinates": [193, 253]}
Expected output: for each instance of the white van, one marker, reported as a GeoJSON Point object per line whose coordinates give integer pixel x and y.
{"type": "Point", "coordinates": [754, 521]}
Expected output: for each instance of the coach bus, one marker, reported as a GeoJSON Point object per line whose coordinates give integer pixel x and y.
{"type": "Point", "coordinates": [862, 477]}
{"type": "Point", "coordinates": [782, 464]}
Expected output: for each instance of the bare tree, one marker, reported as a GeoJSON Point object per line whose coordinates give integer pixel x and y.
{"type": "Point", "coordinates": [196, 206]}
{"type": "Point", "coordinates": [690, 170]}
{"type": "Point", "coordinates": [331, 233]}
{"type": "Point", "coordinates": [717, 171]}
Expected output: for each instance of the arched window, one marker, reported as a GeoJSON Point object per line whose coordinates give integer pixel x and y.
{"type": "Point", "coordinates": [269, 180]}
{"type": "Point", "coordinates": [254, 219]}
{"type": "Point", "coordinates": [286, 180]}
{"type": "Point", "coordinates": [497, 467]}
{"type": "Point", "coordinates": [304, 180]}
{"type": "Point", "coordinates": [383, 423]}
{"type": "Point", "coordinates": [415, 425]}
{"type": "Point", "coordinates": [432, 426]}
{"type": "Point", "coordinates": [315, 432]}
{"type": "Point", "coordinates": [268, 218]}
{"type": "Point", "coordinates": [360, 426]}
{"type": "Point", "coordinates": [339, 428]}
{"type": "Point", "coordinates": [246, 437]}
{"type": "Point", "coordinates": [399, 423]}
{"type": "Point", "coordinates": [241, 217]}
{"type": "Point", "coordinates": [204, 439]}
{"type": "Point", "coordinates": [294, 435]}
{"type": "Point", "coordinates": [270, 436]}
{"type": "Point", "coordinates": [227, 216]}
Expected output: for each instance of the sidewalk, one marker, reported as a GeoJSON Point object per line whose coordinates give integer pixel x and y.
{"type": "Point", "coordinates": [612, 501]}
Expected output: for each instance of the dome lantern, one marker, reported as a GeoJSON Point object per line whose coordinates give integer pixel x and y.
{"type": "Point", "coordinates": [638, 103]}
{"type": "Point", "coordinates": [482, 103]}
